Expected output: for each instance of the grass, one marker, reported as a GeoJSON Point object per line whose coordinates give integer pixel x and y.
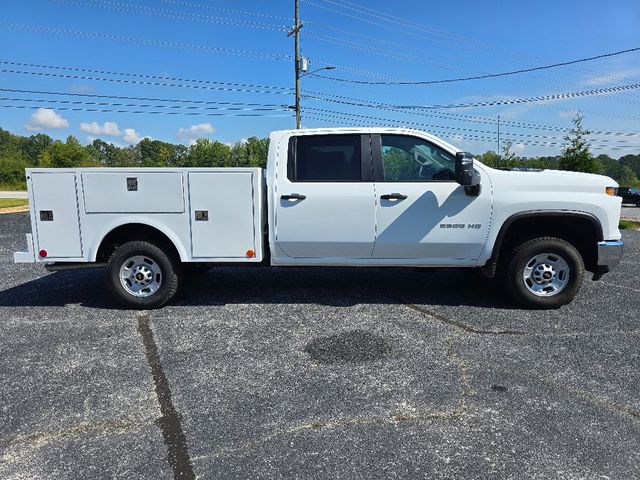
{"type": "Point", "coordinates": [629, 225]}
{"type": "Point", "coordinates": [13, 202]}
{"type": "Point", "coordinates": [12, 187]}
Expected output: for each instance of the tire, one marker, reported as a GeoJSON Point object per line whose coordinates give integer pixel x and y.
{"type": "Point", "coordinates": [142, 276]}
{"type": "Point", "coordinates": [638, 204]}
{"type": "Point", "coordinates": [544, 273]}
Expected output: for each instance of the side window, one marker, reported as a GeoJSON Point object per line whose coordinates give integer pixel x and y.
{"type": "Point", "coordinates": [410, 159]}
{"type": "Point", "coordinates": [325, 158]}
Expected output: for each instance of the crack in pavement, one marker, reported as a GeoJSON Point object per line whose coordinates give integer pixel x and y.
{"type": "Point", "coordinates": [450, 414]}
{"type": "Point", "coordinates": [459, 412]}
{"type": "Point", "coordinates": [455, 323]}
{"type": "Point", "coordinates": [170, 421]}
{"type": "Point", "coordinates": [39, 439]}
{"type": "Point", "coordinates": [600, 400]}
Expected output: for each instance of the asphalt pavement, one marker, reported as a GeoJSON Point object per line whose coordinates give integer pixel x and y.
{"type": "Point", "coordinates": [316, 373]}
{"type": "Point", "coordinates": [631, 213]}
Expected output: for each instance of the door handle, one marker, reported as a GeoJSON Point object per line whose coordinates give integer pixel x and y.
{"type": "Point", "coordinates": [293, 196]}
{"type": "Point", "coordinates": [393, 196]}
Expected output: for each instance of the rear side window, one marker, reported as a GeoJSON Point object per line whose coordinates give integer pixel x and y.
{"type": "Point", "coordinates": [325, 158]}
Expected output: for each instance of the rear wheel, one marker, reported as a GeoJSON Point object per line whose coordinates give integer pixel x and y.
{"type": "Point", "coordinates": [638, 203]}
{"type": "Point", "coordinates": [142, 276]}
{"type": "Point", "coordinates": [545, 273]}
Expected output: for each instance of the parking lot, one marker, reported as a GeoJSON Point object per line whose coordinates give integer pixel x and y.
{"type": "Point", "coordinates": [316, 373]}
{"type": "Point", "coordinates": [631, 213]}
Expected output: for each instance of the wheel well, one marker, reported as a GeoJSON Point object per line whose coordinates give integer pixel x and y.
{"type": "Point", "coordinates": [582, 231]}
{"type": "Point", "coordinates": [135, 231]}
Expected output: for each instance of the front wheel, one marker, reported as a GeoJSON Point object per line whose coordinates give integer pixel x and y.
{"type": "Point", "coordinates": [545, 273]}
{"type": "Point", "coordinates": [142, 276]}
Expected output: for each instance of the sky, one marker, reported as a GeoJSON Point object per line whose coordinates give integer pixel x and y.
{"type": "Point", "coordinates": [177, 70]}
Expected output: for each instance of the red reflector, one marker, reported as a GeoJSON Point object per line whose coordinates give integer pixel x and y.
{"type": "Point", "coordinates": [43, 253]}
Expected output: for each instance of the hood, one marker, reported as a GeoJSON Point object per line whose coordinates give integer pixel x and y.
{"type": "Point", "coordinates": [548, 180]}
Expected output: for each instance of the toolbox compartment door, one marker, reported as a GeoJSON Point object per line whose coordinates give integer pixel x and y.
{"type": "Point", "coordinates": [222, 209]}
{"type": "Point", "coordinates": [56, 214]}
{"type": "Point", "coordinates": [132, 192]}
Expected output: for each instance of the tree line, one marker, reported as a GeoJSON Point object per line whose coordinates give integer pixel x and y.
{"type": "Point", "coordinates": [575, 157]}
{"type": "Point", "coordinates": [19, 152]}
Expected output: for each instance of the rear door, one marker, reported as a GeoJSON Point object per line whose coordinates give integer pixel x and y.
{"type": "Point", "coordinates": [422, 212]}
{"type": "Point", "coordinates": [56, 214]}
{"type": "Point", "coordinates": [223, 206]}
{"type": "Point", "coordinates": [325, 207]}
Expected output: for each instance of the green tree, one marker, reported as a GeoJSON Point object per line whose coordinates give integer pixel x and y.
{"type": "Point", "coordinates": [154, 153]}
{"type": "Point", "coordinates": [509, 159]}
{"type": "Point", "coordinates": [35, 145]}
{"type": "Point", "coordinates": [12, 171]}
{"type": "Point", "coordinates": [490, 159]}
{"type": "Point", "coordinates": [633, 162]}
{"type": "Point", "coordinates": [67, 155]}
{"type": "Point", "coordinates": [576, 156]}
{"type": "Point", "coordinates": [208, 153]}
{"type": "Point", "coordinates": [251, 152]}
{"type": "Point", "coordinates": [108, 154]}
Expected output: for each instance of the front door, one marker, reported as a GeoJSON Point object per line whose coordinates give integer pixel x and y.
{"type": "Point", "coordinates": [422, 213]}
{"type": "Point", "coordinates": [325, 207]}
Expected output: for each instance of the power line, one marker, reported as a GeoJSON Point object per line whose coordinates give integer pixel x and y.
{"type": "Point", "coordinates": [147, 99]}
{"type": "Point", "coordinates": [515, 101]}
{"type": "Point", "coordinates": [318, 116]}
{"type": "Point", "coordinates": [406, 24]}
{"type": "Point", "coordinates": [147, 42]}
{"type": "Point", "coordinates": [143, 82]}
{"type": "Point", "coordinates": [145, 112]}
{"type": "Point", "coordinates": [230, 107]}
{"type": "Point", "coordinates": [227, 10]}
{"type": "Point", "coordinates": [146, 76]}
{"type": "Point", "coordinates": [458, 129]}
{"type": "Point", "coordinates": [159, 12]}
{"type": "Point", "coordinates": [489, 75]}
{"type": "Point", "coordinates": [456, 116]}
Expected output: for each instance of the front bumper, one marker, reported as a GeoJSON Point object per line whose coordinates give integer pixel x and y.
{"type": "Point", "coordinates": [609, 256]}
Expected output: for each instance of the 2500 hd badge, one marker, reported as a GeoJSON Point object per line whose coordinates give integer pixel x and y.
{"type": "Point", "coordinates": [461, 225]}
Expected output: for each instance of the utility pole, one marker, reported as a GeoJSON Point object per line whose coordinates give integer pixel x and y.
{"type": "Point", "coordinates": [498, 140]}
{"type": "Point", "coordinates": [296, 32]}
{"type": "Point", "coordinates": [498, 134]}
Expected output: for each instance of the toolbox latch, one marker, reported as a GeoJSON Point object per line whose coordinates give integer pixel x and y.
{"type": "Point", "coordinates": [202, 215]}
{"type": "Point", "coordinates": [46, 215]}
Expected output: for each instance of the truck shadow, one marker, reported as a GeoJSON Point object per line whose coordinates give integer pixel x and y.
{"type": "Point", "coordinates": [339, 287]}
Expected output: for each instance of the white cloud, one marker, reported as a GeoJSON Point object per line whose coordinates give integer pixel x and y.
{"type": "Point", "coordinates": [517, 148]}
{"type": "Point", "coordinates": [46, 119]}
{"type": "Point", "coordinates": [568, 113]}
{"type": "Point", "coordinates": [108, 128]}
{"type": "Point", "coordinates": [194, 132]}
{"type": "Point", "coordinates": [131, 136]}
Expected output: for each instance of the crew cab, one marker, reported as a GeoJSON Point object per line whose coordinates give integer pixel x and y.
{"type": "Point", "coordinates": [359, 197]}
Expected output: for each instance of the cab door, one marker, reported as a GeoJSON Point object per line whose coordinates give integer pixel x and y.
{"type": "Point", "coordinates": [422, 212]}
{"type": "Point", "coordinates": [325, 207]}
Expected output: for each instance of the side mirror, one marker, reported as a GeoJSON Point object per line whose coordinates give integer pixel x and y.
{"type": "Point", "coordinates": [466, 175]}
{"type": "Point", "coordinates": [464, 169]}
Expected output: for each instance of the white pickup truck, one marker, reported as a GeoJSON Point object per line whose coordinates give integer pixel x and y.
{"type": "Point", "coordinates": [357, 197]}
